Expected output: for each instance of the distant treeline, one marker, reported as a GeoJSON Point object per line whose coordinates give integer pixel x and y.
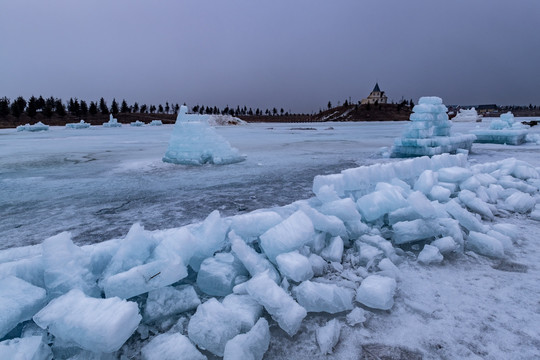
{"type": "Point", "coordinates": [56, 107]}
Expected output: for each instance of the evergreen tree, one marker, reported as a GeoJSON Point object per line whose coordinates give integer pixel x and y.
{"type": "Point", "coordinates": [329, 105]}
{"type": "Point", "coordinates": [40, 103]}
{"type": "Point", "coordinates": [74, 107]}
{"type": "Point", "coordinates": [4, 106]}
{"type": "Point", "coordinates": [152, 109]}
{"type": "Point", "coordinates": [346, 103]}
{"type": "Point", "coordinates": [93, 110]}
{"type": "Point", "coordinates": [18, 106]}
{"type": "Point", "coordinates": [103, 107]}
{"type": "Point", "coordinates": [84, 108]}
{"type": "Point", "coordinates": [167, 108]}
{"type": "Point", "coordinates": [59, 108]}
{"type": "Point", "coordinates": [114, 107]}
{"type": "Point", "coordinates": [160, 109]}
{"type": "Point", "coordinates": [48, 109]}
{"type": "Point", "coordinates": [124, 108]}
{"type": "Point", "coordinates": [136, 107]}
{"type": "Point", "coordinates": [274, 111]}
{"type": "Point", "coordinates": [176, 109]}
{"type": "Point", "coordinates": [144, 109]}
{"type": "Point", "coordinates": [195, 109]}
{"type": "Point", "coordinates": [411, 104]}
{"type": "Point", "coordinates": [31, 109]}
{"type": "Point", "coordinates": [282, 111]}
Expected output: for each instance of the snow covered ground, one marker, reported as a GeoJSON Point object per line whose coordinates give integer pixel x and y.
{"type": "Point", "coordinates": [97, 182]}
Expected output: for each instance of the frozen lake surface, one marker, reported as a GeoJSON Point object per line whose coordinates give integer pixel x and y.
{"type": "Point", "coordinates": [97, 182]}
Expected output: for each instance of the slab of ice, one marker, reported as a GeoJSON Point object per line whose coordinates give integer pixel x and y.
{"type": "Point", "coordinates": [251, 345]}
{"type": "Point", "coordinates": [280, 305]}
{"type": "Point", "coordinates": [484, 244]}
{"type": "Point", "coordinates": [137, 123]}
{"type": "Point", "coordinates": [426, 181]}
{"type": "Point", "coordinates": [171, 346]}
{"type": "Point", "coordinates": [100, 325]}
{"type": "Point", "coordinates": [475, 204]}
{"type": "Point", "coordinates": [356, 316]}
{"type": "Point", "coordinates": [520, 202]}
{"type": "Point", "coordinates": [144, 278]}
{"type": "Point", "coordinates": [415, 230]}
{"type": "Point", "coordinates": [321, 297]}
{"type": "Point", "coordinates": [217, 274]}
{"type": "Point", "coordinates": [80, 125]}
{"type": "Point", "coordinates": [194, 142]}
{"type": "Point", "coordinates": [254, 224]}
{"type": "Point", "coordinates": [334, 250]}
{"type": "Point", "coordinates": [66, 266]}
{"type": "Point", "coordinates": [19, 301]}
{"type": "Point", "coordinates": [465, 218]}
{"type": "Point", "coordinates": [325, 223]}
{"type": "Point", "coordinates": [374, 205]}
{"type": "Point", "coordinates": [31, 348]}
{"type": "Point", "coordinates": [113, 122]}
{"type": "Point", "coordinates": [246, 309]}
{"type": "Point", "coordinates": [39, 126]}
{"type": "Point", "coordinates": [294, 266]}
{"type": "Point", "coordinates": [429, 255]}
{"type": "Point", "coordinates": [254, 262]}
{"type": "Point", "coordinates": [445, 245]}
{"type": "Point", "coordinates": [169, 301]}
{"type": "Point", "coordinates": [213, 325]}
{"type": "Point", "coordinates": [502, 131]}
{"type": "Point", "coordinates": [377, 292]}
{"type": "Point", "coordinates": [328, 336]}
{"type": "Point", "coordinates": [211, 237]}
{"type": "Point", "coordinates": [291, 234]}
{"type": "Point", "coordinates": [156, 123]}
{"type": "Point", "coordinates": [318, 264]}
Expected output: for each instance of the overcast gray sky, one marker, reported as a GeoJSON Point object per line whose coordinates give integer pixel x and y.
{"type": "Point", "coordinates": [292, 54]}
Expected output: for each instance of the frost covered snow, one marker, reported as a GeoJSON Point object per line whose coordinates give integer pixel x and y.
{"type": "Point", "coordinates": [319, 248]}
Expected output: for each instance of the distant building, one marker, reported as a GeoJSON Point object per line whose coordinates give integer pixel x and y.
{"type": "Point", "coordinates": [376, 96]}
{"type": "Point", "coordinates": [486, 109]}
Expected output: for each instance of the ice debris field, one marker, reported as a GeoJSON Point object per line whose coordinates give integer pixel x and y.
{"type": "Point", "coordinates": [373, 263]}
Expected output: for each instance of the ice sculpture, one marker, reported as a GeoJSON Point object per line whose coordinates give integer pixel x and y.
{"type": "Point", "coordinates": [194, 142]}
{"type": "Point", "coordinates": [467, 115]}
{"type": "Point", "coordinates": [113, 122]}
{"type": "Point", "coordinates": [502, 131]}
{"type": "Point", "coordinates": [429, 132]}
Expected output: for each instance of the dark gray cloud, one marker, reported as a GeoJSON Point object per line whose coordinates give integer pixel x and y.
{"type": "Point", "coordinates": [291, 54]}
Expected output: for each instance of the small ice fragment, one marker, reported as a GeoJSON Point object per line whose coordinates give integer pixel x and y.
{"type": "Point", "coordinates": [328, 336]}
{"type": "Point", "coordinates": [356, 316]}
{"type": "Point", "coordinates": [251, 345]}
{"type": "Point", "coordinates": [430, 254]}
{"type": "Point", "coordinates": [377, 292]}
{"type": "Point", "coordinates": [171, 346]}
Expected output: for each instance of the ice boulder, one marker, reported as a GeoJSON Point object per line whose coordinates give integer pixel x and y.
{"type": "Point", "coordinates": [137, 123]}
{"type": "Point", "coordinates": [156, 123]}
{"type": "Point", "coordinates": [19, 301]}
{"type": "Point", "coordinates": [321, 297]}
{"type": "Point", "coordinates": [484, 244]}
{"type": "Point", "coordinates": [251, 345]}
{"type": "Point", "coordinates": [245, 308]}
{"type": "Point", "coordinates": [254, 262]}
{"type": "Point", "coordinates": [31, 348]}
{"type": "Point", "coordinates": [382, 201]}
{"type": "Point", "coordinates": [171, 346]}
{"type": "Point", "coordinates": [430, 254]}
{"type": "Point", "coordinates": [294, 266]}
{"type": "Point", "coordinates": [445, 245]}
{"type": "Point", "coordinates": [290, 234]}
{"type": "Point", "coordinates": [210, 236]}
{"type": "Point", "coordinates": [169, 301]}
{"type": "Point", "coordinates": [194, 142]}
{"type": "Point", "coordinates": [254, 224]}
{"type": "Point", "coordinates": [80, 125]}
{"type": "Point", "coordinates": [328, 336]}
{"type": "Point", "coordinates": [377, 292]}
{"type": "Point", "coordinates": [66, 266]}
{"type": "Point", "coordinates": [39, 126]}
{"type": "Point", "coordinates": [334, 250]}
{"type": "Point", "coordinates": [520, 202]}
{"type": "Point", "coordinates": [280, 305]}
{"type": "Point", "coordinates": [213, 325]}
{"type": "Point", "coordinates": [99, 325]}
{"type": "Point", "coordinates": [217, 274]}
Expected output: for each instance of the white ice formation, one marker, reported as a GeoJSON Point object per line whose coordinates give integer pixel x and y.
{"type": "Point", "coordinates": [216, 286]}
{"type": "Point", "coordinates": [467, 115]}
{"type": "Point", "coordinates": [39, 126]}
{"type": "Point", "coordinates": [504, 130]}
{"type": "Point", "coordinates": [113, 122]}
{"type": "Point", "coordinates": [156, 123]}
{"type": "Point", "coordinates": [429, 132]}
{"type": "Point", "coordinates": [137, 123]}
{"type": "Point", "coordinates": [194, 142]}
{"type": "Point", "coordinates": [80, 125]}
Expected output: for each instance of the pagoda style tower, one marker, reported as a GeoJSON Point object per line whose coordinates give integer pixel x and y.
{"type": "Point", "coordinates": [376, 96]}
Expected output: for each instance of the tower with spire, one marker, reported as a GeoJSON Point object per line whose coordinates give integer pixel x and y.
{"type": "Point", "coordinates": [376, 96]}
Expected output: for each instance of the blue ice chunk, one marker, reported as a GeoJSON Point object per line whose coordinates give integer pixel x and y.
{"type": "Point", "coordinates": [19, 301]}
{"type": "Point", "coordinates": [334, 250]}
{"type": "Point", "coordinates": [217, 274]}
{"type": "Point", "coordinates": [254, 224]}
{"type": "Point", "coordinates": [211, 237]}
{"type": "Point", "coordinates": [246, 309]}
{"type": "Point", "coordinates": [31, 348]}
{"type": "Point", "coordinates": [171, 346]}
{"type": "Point", "coordinates": [294, 266]}
{"type": "Point", "coordinates": [251, 345]}
{"type": "Point", "coordinates": [377, 292]}
{"type": "Point", "coordinates": [99, 325]}
{"type": "Point", "coordinates": [254, 262]}
{"type": "Point", "coordinates": [374, 205]}
{"type": "Point", "coordinates": [168, 301]}
{"type": "Point", "coordinates": [321, 297]}
{"type": "Point", "coordinates": [484, 244]}
{"type": "Point", "coordinates": [213, 325]}
{"type": "Point", "coordinates": [328, 336]}
{"type": "Point", "coordinates": [291, 234]}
